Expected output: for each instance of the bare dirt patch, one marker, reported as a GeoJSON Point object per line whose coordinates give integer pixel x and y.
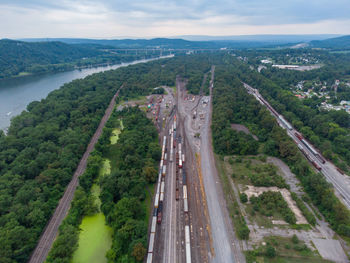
{"type": "Point", "coordinates": [242, 128]}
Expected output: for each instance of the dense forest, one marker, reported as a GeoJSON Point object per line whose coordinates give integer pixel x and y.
{"type": "Point", "coordinates": [134, 162]}
{"type": "Point", "coordinates": [19, 58]}
{"type": "Point", "coordinates": [232, 104]}
{"type": "Point", "coordinates": [45, 143]}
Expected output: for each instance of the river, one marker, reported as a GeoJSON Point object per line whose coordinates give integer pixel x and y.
{"type": "Point", "coordinates": [17, 93]}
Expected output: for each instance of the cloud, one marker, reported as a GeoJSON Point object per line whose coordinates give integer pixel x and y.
{"type": "Point", "coordinates": [108, 18]}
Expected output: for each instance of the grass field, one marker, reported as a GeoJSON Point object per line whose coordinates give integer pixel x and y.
{"type": "Point", "coordinates": [287, 251]}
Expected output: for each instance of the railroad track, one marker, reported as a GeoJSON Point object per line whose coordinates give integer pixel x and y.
{"type": "Point", "coordinates": [49, 234]}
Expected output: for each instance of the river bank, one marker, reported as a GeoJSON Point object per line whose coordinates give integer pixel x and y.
{"type": "Point", "coordinates": [17, 93]}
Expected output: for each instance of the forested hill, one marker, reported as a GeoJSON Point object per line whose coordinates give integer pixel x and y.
{"type": "Point", "coordinates": [17, 57]}
{"type": "Point", "coordinates": [333, 43]}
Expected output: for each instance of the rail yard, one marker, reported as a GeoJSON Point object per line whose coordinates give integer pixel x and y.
{"type": "Point", "coordinates": [190, 221]}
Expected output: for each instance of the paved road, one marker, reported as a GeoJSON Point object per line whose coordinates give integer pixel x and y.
{"type": "Point", "coordinates": [48, 236]}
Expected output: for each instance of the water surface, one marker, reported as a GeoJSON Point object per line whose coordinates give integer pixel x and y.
{"type": "Point", "coordinates": [17, 93]}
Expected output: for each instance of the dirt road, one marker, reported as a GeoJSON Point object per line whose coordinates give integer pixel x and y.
{"type": "Point", "coordinates": [48, 236]}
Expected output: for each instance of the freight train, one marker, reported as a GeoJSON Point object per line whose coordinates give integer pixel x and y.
{"type": "Point", "coordinates": [309, 146]}
{"type": "Point", "coordinates": [314, 163]}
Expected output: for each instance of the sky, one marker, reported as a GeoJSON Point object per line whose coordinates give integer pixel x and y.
{"type": "Point", "coordinates": [165, 18]}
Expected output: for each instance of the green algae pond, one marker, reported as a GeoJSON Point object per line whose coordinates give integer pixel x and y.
{"type": "Point", "coordinates": [95, 237]}
{"type": "Point", "coordinates": [115, 133]}
{"type": "Point", "coordinates": [115, 136]}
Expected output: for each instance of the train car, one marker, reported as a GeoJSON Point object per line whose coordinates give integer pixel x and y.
{"type": "Point", "coordinates": [184, 179]}
{"type": "Point", "coordinates": [154, 224]}
{"type": "Point", "coordinates": [185, 191]}
{"type": "Point", "coordinates": [156, 200]}
{"type": "Point", "coordinates": [185, 206]}
{"type": "Point", "coordinates": [164, 171]}
{"type": "Point", "coordinates": [183, 158]}
{"type": "Point", "coordinates": [155, 211]}
{"type": "Point", "coordinates": [286, 123]}
{"type": "Point", "coordinates": [150, 257]}
{"type": "Point", "coordinates": [188, 244]}
{"type": "Point", "coordinates": [312, 149]}
{"type": "Point", "coordinates": [162, 186]}
{"type": "Point", "coordinates": [180, 163]}
{"type": "Point", "coordinates": [171, 155]}
{"type": "Point", "coordinates": [316, 165]}
{"type": "Point", "coordinates": [160, 211]}
{"type": "Point", "coordinates": [165, 159]}
{"type": "Point", "coordinates": [298, 135]}
{"type": "Point", "coordinates": [320, 158]}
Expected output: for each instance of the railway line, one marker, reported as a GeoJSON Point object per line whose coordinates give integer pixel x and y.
{"type": "Point", "coordinates": [333, 175]}
{"type": "Point", "coordinates": [49, 234]}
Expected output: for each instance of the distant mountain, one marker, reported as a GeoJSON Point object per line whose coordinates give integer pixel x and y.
{"type": "Point", "coordinates": [17, 56]}
{"type": "Point", "coordinates": [167, 43]}
{"type": "Point", "coordinates": [332, 43]}
{"type": "Point", "coordinates": [132, 43]}
{"type": "Point", "coordinates": [261, 38]}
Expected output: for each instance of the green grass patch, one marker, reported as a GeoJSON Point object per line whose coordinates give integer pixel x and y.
{"type": "Point", "coordinates": [236, 214]}
{"type": "Point", "coordinates": [22, 74]}
{"type": "Point", "coordinates": [255, 171]}
{"type": "Point", "coordinates": [286, 250]}
{"type": "Point", "coordinates": [147, 203]}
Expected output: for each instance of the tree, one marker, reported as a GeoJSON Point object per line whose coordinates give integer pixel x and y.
{"type": "Point", "coordinates": [139, 252]}
{"type": "Point", "coordinates": [243, 197]}
{"type": "Point", "coordinates": [270, 251]}
{"type": "Point", "coordinates": [150, 174]}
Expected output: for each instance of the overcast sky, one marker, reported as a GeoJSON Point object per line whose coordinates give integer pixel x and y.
{"type": "Point", "coordinates": [156, 18]}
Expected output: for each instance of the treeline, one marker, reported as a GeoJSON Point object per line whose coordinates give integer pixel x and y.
{"type": "Point", "coordinates": [44, 145]}
{"type": "Point", "coordinates": [134, 161]}
{"type": "Point", "coordinates": [17, 57]}
{"type": "Point", "coordinates": [231, 103]}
